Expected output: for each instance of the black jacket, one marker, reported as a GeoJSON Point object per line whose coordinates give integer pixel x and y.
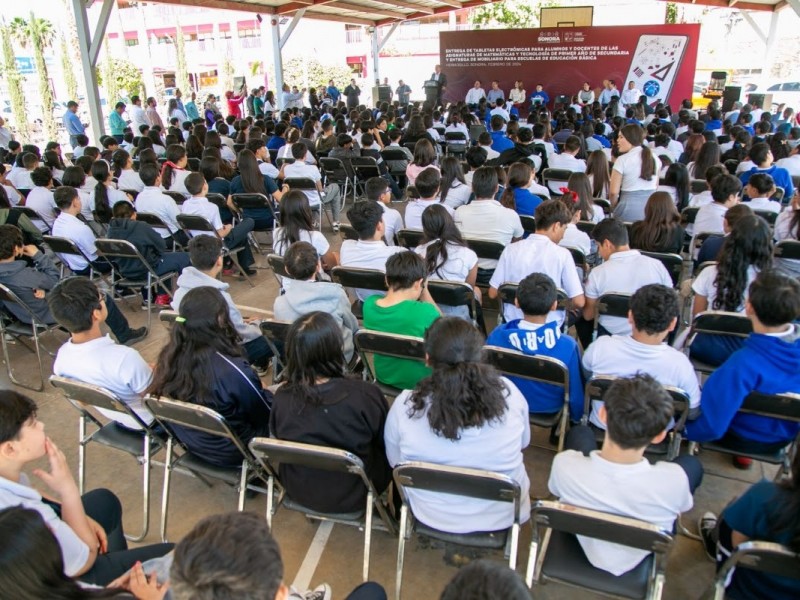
{"type": "Point", "coordinates": [520, 152]}
{"type": "Point", "coordinates": [149, 243]}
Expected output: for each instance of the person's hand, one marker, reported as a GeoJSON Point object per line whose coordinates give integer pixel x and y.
{"type": "Point", "coordinates": [100, 534]}
{"type": "Point", "coordinates": [59, 479]}
{"type": "Point", "coordinates": [122, 582]}
{"type": "Point", "coordinates": [29, 250]}
{"type": "Point", "coordinates": [252, 319]}
{"type": "Point", "coordinates": [38, 294]}
{"type": "Point", "coordinates": [226, 229]}
{"type": "Point", "coordinates": [144, 587]}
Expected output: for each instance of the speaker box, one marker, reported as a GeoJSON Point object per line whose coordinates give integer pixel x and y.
{"type": "Point", "coordinates": [762, 100]}
{"type": "Point", "coordinates": [562, 99]}
{"type": "Point", "coordinates": [730, 94]}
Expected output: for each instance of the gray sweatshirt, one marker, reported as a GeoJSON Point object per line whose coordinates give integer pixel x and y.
{"type": "Point", "coordinates": [23, 280]}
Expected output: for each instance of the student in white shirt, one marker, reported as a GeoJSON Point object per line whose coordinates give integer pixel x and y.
{"type": "Point", "coordinates": [104, 195]}
{"type": "Point", "coordinates": [369, 251]}
{"type": "Point", "coordinates": [128, 179]}
{"type": "Point", "coordinates": [574, 237]}
{"type": "Point", "coordinates": [617, 478]}
{"type": "Point", "coordinates": [634, 176]}
{"type": "Point", "coordinates": [791, 163]}
{"type": "Point", "coordinates": [653, 315]}
{"type": "Point", "coordinates": [725, 193]}
{"type": "Point", "coordinates": [329, 195]}
{"type": "Point", "coordinates": [623, 271]}
{"type": "Point", "coordinates": [154, 201]}
{"type": "Point", "coordinates": [377, 189]}
{"type": "Point", "coordinates": [21, 177]}
{"type": "Point", "coordinates": [566, 160]}
{"type": "Point", "coordinates": [454, 191]}
{"type": "Point", "coordinates": [427, 184]}
{"type": "Point", "coordinates": [500, 110]}
{"type": "Point", "coordinates": [759, 189]}
{"type": "Point", "coordinates": [40, 198]}
{"type": "Point", "coordinates": [67, 225]}
{"type": "Point", "coordinates": [174, 173]}
{"type": "Point", "coordinates": [540, 253]}
{"type": "Point", "coordinates": [485, 144]}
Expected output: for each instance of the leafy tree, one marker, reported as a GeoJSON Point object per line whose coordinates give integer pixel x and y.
{"type": "Point", "coordinates": [509, 14]}
{"type": "Point", "coordinates": [127, 79]}
{"type": "Point", "coordinates": [66, 67]}
{"type": "Point", "coordinates": [14, 79]}
{"type": "Point", "coordinates": [40, 34]}
{"type": "Point", "coordinates": [671, 14]}
{"type": "Point", "coordinates": [111, 83]}
{"type": "Point", "coordinates": [309, 72]}
{"type": "Point", "coordinates": [228, 69]}
{"type": "Point", "coordinates": [180, 58]}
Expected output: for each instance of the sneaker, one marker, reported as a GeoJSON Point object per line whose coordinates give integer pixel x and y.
{"type": "Point", "coordinates": [321, 592]}
{"type": "Point", "coordinates": [260, 371]}
{"type": "Point", "coordinates": [163, 300]}
{"type": "Point", "coordinates": [707, 525]}
{"type": "Point", "coordinates": [249, 271]}
{"type": "Point", "coordinates": [336, 226]}
{"type": "Point", "coordinates": [743, 463]}
{"type": "Point", "coordinates": [135, 335]}
{"type": "Point", "coordinates": [229, 272]}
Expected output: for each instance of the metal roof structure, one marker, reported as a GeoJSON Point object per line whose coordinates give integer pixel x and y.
{"type": "Point", "coordinates": [756, 5]}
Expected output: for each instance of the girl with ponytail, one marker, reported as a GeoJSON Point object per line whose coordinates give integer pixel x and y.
{"type": "Point", "coordinates": [634, 176]}
{"type": "Point", "coordinates": [173, 171]}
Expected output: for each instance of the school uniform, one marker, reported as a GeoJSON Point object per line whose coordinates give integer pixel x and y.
{"type": "Point", "coordinates": [367, 254]}
{"type": "Point", "coordinates": [41, 200]}
{"type": "Point", "coordinates": [634, 191]}
{"type": "Point", "coordinates": [72, 228]}
{"type": "Point", "coordinates": [415, 208]}
{"type": "Point", "coordinates": [488, 220]}
{"type": "Point", "coordinates": [152, 200]}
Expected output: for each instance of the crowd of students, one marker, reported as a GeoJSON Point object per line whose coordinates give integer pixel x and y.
{"type": "Point", "coordinates": [453, 408]}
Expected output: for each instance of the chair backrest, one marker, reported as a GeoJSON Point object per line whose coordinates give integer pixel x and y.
{"type": "Point", "coordinates": [452, 293]}
{"type": "Point", "coordinates": [356, 277]}
{"type": "Point", "coordinates": [278, 265]}
{"type": "Point", "coordinates": [485, 248]}
{"type": "Point", "coordinates": [769, 216]}
{"type": "Point", "coordinates": [586, 227]}
{"type": "Point", "coordinates": [132, 193]}
{"type": "Point", "coordinates": [194, 164]}
{"type": "Point", "coordinates": [698, 186]}
{"type": "Point", "coordinates": [177, 196]}
{"type": "Point", "coordinates": [286, 160]}
{"type": "Point", "coordinates": [348, 232]}
{"type": "Point", "coordinates": [603, 203]}
{"type": "Point", "coordinates": [409, 238]}
{"type": "Point", "coordinates": [784, 406]}
{"type": "Point", "coordinates": [239, 147]}
{"type": "Point", "coordinates": [475, 131]}
{"type": "Point", "coordinates": [578, 257]}
{"type": "Point", "coordinates": [544, 369]}
{"type": "Point", "coordinates": [80, 394]}
{"type": "Point", "coordinates": [779, 194]}
{"type": "Point", "coordinates": [766, 557]}
{"type": "Point", "coordinates": [365, 167]}
{"type": "Point", "coordinates": [389, 344]}
{"type": "Point", "coordinates": [274, 330]}
{"type": "Point", "coordinates": [717, 322]}
{"type": "Point", "coordinates": [598, 385]}
{"type": "Point", "coordinates": [195, 223]}
{"type": "Point", "coordinates": [528, 223]}
{"type": "Point", "coordinates": [334, 169]}
{"type": "Point", "coordinates": [118, 249]}
{"type": "Point", "coordinates": [301, 183]}
{"type": "Point", "coordinates": [614, 305]}
{"type": "Point", "coordinates": [168, 316]}
{"type": "Point", "coordinates": [508, 293]}
{"type": "Point", "coordinates": [252, 201]}
{"type": "Point", "coordinates": [689, 214]}
{"type": "Point", "coordinates": [672, 262]}
{"type": "Point", "coordinates": [394, 154]}
{"type": "Point", "coordinates": [788, 249]}
{"type": "Point", "coordinates": [154, 221]}
{"type": "Point", "coordinates": [62, 245]}
{"type": "Point", "coordinates": [455, 136]}
{"type": "Point", "coordinates": [217, 199]}
{"type": "Point", "coordinates": [556, 175]}
{"type": "Point", "coordinates": [283, 452]}
{"type": "Point", "coordinates": [6, 295]}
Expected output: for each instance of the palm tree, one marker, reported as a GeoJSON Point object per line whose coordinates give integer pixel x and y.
{"type": "Point", "coordinates": [40, 34]}
{"type": "Point", "coordinates": [14, 80]}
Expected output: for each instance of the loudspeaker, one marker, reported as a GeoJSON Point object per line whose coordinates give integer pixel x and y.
{"type": "Point", "coordinates": [762, 100]}
{"type": "Point", "coordinates": [730, 94]}
{"type": "Point", "coordinates": [562, 99]}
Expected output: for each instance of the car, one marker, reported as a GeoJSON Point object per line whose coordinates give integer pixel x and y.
{"type": "Point", "coordinates": [785, 92]}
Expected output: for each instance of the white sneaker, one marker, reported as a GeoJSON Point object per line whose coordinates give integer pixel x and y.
{"type": "Point", "coordinates": [336, 226]}
{"type": "Point", "coordinates": [321, 592]}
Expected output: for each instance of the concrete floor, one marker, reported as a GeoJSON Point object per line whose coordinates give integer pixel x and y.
{"type": "Point", "coordinates": [426, 571]}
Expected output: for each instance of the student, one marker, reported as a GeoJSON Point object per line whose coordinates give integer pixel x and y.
{"type": "Point", "coordinates": [623, 271]}
{"type": "Point", "coordinates": [104, 195]}
{"type": "Point", "coordinates": [318, 404]}
{"type": "Point", "coordinates": [329, 195]}
{"type": "Point", "coordinates": [259, 149]}
{"type": "Point", "coordinates": [369, 251]}
{"type": "Point", "coordinates": [40, 198]}
{"type": "Point", "coordinates": [567, 160]}
{"type": "Point", "coordinates": [517, 195]}
{"type": "Point", "coordinates": [203, 363]}
{"type": "Point", "coordinates": [454, 189]}
{"type": "Point", "coordinates": [205, 253]}
{"type": "Point", "coordinates": [306, 294]}
{"type": "Point", "coordinates": [660, 231]}
{"type": "Point", "coordinates": [617, 478]}
{"type": "Point", "coordinates": [540, 253]}
{"type": "Point", "coordinates": [534, 335]}
{"type": "Point", "coordinates": [173, 171]}
{"type": "Point", "coordinates": [464, 415]}
{"type": "Point", "coordinates": [234, 237]}
{"type": "Point", "coordinates": [67, 225]}
{"type": "Point", "coordinates": [377, 190]}
{"type": "Point", "coordinates": [446, 255]}
{"type": "Point", "coordinates": [634, 176]}
{"type": "Point", "coordinates": [407, 309]}
{"type": "Point", "coordinates": [152, 200]}
{"type": "Point", "coordinates": [759, 191]}
{"type": "Point", "coordinates": [297, 224]}
{"type": "Point", "coordinates": [485, 143]}
{"type": "Point", "coordinates": [20, 178]}
{"type": "Point", "coordinates": [127, 178]}
{"type": "Point", "coordinates": [88, 531]}
{"type": "Point", "coordinates": [761, 155]}
{"type": "Point", "coordinates": [428, 183]}
{"type": "Point", "coordinates": [251, 180]}
{"type": "Point", "coordinates": [768, 362]}
{"type": "Point", "coordinates": [710, 249]}
{"type": "Point", "coordinates": [424, 158]}
{"type": "Point", "coordinates": [574, 237]}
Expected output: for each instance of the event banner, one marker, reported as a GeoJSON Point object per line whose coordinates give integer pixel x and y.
{"type": "Point", "coordinates": [659, 59]}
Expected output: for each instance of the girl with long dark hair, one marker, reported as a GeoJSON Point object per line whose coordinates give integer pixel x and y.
{"type": "Point", "coordinates": [104, 196]}
{"type": "Point", "coordinates": [144, 144]}
{"type": "Point", "coordinates": [708, 156]}
{"type": "Point", "coordinates": [465, 414]}
{"type": "Point", "coordinates": [297, 225]}
{"type": "Point", "coordinates": [787, 227]}
{"type": "Point", "coordinates": [194, 147]}
{"type": "Point", "coordinates": [424, 157]}
{"type": "Point", "coordinates": [516, 194]}
{"type": "Point", "coordinates": [581, 185]}
{"type": "Point", "coordinates": [634, 176]}
{"type": "Point", "coordinates": [127, 178]}
{"type": "Point", "coordinates": [158, 143]}
{"type": "Point", "coordinates": [661, 230]}
{"type": "Point", "coordinates": [251, 180]}
{"type": "Point", "coordinates": [202, 363]}
{"type": "Point", "coordinates": [597, 171]}
{"type": "Point", "coordinates": [676, 183]}
{"type": "Point", "coordinates": [319, 404]}
{"type": "Point", "coordinates": [226, 170]}
{"type": "Point", "coordinates": [174, 171]}
{"type": "Point", "coordinates": [454, 189]}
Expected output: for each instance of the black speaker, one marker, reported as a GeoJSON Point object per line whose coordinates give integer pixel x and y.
{"type": "Point", "coordinates": [562, 99]}
{"type": "Point", "coordinates": [730, 94]}
{"type": "Point", "coordinates": [760, 100]}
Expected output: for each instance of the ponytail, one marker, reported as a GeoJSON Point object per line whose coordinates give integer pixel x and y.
{"type": "Point", "coordinates": [508, 199]}
{"type": "Point", "coordinates": [102, 208]}
{"type": "Point", "coordinates": [648, 164]}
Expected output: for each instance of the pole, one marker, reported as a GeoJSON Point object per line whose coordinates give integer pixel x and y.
{"type": "Point", "coordinates": [89, 72]}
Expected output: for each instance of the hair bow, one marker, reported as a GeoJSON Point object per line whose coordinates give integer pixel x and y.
{"type": "Point", "coordinates": [571, 193]}
{"type": "Point", "coordinates": [168, 163]}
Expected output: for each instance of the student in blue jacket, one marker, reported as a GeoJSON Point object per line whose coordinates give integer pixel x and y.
{"type": "Point", "coordinates": [536, 297]}
{"type": "Point", "coordinates": [768, 362]}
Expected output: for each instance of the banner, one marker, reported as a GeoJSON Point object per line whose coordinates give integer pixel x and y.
{"type": "Point", "coordinates": [659, 59]}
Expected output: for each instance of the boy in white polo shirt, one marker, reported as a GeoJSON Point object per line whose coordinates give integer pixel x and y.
{"type": "Point", "coordinates": [617, 478]}
{"type": "Point", "coordinates": [68, 226]}
{"type": "Point", "coordinates": [377, 190]}
{"type": "Point", "coordinates": [623, 271]}
{"type": "Point", "coordinates": [154, 201]}
{"type": "Point", "coordinates": [40, 198]}
{"type": "Point", "coordinates": [540, 253]}
{"type": "Point", "coordinates": [725, 191]}
{"type": "Point", "coordinates": [759, 189]}
{"type": "Point", "coordinates": [370, 251]}
{"type": "Point", "coordinates": [566, 160]}
{"type": "Point", "coordinates": [653, 314]}
{"type": "Point", "coordinates": [427, 184]}
{"type": "Point", "coordinates": [330, 195]}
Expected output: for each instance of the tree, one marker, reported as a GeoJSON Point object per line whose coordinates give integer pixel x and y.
{"type": "Point", "coordinates": [509, 14]}
{"type": "Point", "coordinates": [39, 33]}
{"type": "Point", "coordinates": [228, 69]}
{"type": "Point", "coordinates": [111, 83]}
{"type": "Point", "coordinates": [14, 79]}
{"type": "Point", "coordinates": [309, 72]}
{"type": "Point", "coordinates": [127, 79]}
{"type": "Point", "coordinates": [180, 58]}
{"type": "Point", "coordinates": [66, 67]}
{"type": "Point", "coordinates": [71, 34]}
{"type": "Point", "coordinates": [671, 14]}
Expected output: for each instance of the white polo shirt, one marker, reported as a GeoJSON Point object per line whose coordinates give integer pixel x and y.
{"type": "Point", "coordinates": [624, 273]}
{"type": "Point", "coordinates": [458, 194]}
{"type": "Point", "coordinates": [152, 200]}
{"type": "Point", "coordinates": [460, 261]}
{"type": "Point", "coordinates": [179, 181]}
{"type": "Point", "coordinates": [130, 180]}
{"type": "Point", "coordinates": [74, 229]}
{"type": "Point", "coordinates": [537, 254]}
{"type": "Point", "coordinates": [199, 205]}
{"type": "Point", "coordinates": [14, 197]}
{"type": "Point", "coordinates": [488, 220]}
{"type": "Point", "coordinates": [393, 222]}
{"type": "Point", "coordinates": [315, 238]}
{"type": "Point", "coordinates": [41, 200]}
{"type": "Point", "coordinates": [623, 356]}
{"type": "Point", "coordinates": [21, 178]}
{"type": "Point", "coordinates": [709, 218]}
{"type": "Point", "coordinates": [117, 368]}
{"type": "Point", "coordinates": [629, 165]}
{"type": "Point", "coordinates": [415, 208]}
{"type": "Point", "coordinates": [267, 168]}
{"type": "Point", "coordinates": [301, 169]}
{"type": "Point", "coordinates": [764, 204]}
{"type": "Point", "coordinates": [366, 255]}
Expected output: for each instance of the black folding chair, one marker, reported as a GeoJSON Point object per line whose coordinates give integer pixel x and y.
{"type": "Point", "coordinates": [698, 186]}
{"type": "Point", "coordinates": [397, 161]}
{"type": "Point", "coordinates": [557, 175]}
{"type": "Point", "coordinates": [586, 227]}
{"type": "Point", "coordinates": [507, 292]}
{"type": "Point", "coordinates": [409, 238]}
{"type": "Point", "coordinates": [32, 215]}
{"type": "Point", "coordinates": [765, 557]}
{"type": "Point", "coordinates": [275, 332]}
{"type": "Point", "coordinates": [371, 343]}
{"type": "Point", "coordinates": [192, 223]}
{"type": "Point", "coordinates": [528, 223]}
{"type": "Point", "coordinates": [364, 167]}
{"type": "Point", "coordinates": [789, 249]}
{"type": "Point", "coordinates": [348, 232]}
{"type": "Point", "coordinates": [604, 204]}
{"type": "Point", "coordinates": [611, 305]}
{"type": "Point", "coordinates": [334, 171]}
{"type": "Point", "coordinates": [672, 262]}
{"type": "Point", "coordinates": [286, 160]}
{"type": "Point", "coordinates": [194, 164]}
{"type": "Point", "coordinates": [179, 197]}
{"type": "Point", "coordinates": [132, 193]}
{"type": "Point", "coordinates": [456, 293]}
{"type": "Point", "coordinates": [65, 247]}
{"type": "Point", "coordinates": [157, 222]}
{"type": "Point", "coordinates": [455, 143]}
{"type": "Point", "coordinates": [717, 322]}
{"type": "Point", "coordinates": [769, 216]}
{"type": "Point", "coordinates": [278, 266]}
{"type": "Point", "coordinates": [357, 278]}
{"type": "Point", "coordinates": [243, 202]}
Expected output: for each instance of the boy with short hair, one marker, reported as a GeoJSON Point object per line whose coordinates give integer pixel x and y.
{"type": "Point", "coordinates": [758, 193]}
{"type": "Point", "coordinates": [329, 195]}
{"type": "Point", "coordinates": [725, 191]}
{"type": "Point", "coordinates": [82, 143]}
{"type": "Point", "coordinates": [67, 225]}
{"type": "Point", "coordinates": [377, 190]}
{"type": "Point", "coordinates": [617, 478]}
{"type": "Point", "coordinates": [154, 201]}
{"type": "Point", "coordinates": [407, 309]}
{"type": "Point", "coordinates": [534, 335]}
{"type": "Point", "coordinates": [761, 155]}
{"type": "Point", "coordinates": [21, 178]}
{"type": "Point", "coordinates": [40, 198]}
{"type": "Point", "coordinates": [427, 185]}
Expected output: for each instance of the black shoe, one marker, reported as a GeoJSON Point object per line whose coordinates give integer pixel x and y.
{"type": "Point", "coordinates": [706, 526]}
{"type": "Point", "coordinates": [134, 335]}
{"type": "Point", "coordinates": [249, 271]}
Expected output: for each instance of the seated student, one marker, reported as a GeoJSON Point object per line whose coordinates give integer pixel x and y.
{"type": "Point", "coordinates": [369, 251]}
{"type": "Point", "coordinates": [377, 190]}
{"type": "Point", "coordinates": [329, 196]}
{"type": "Point", "coordinates": [306, 294]}
{"type": "Point", "coordinates": [540, 253]}
{"type": "Point", "coordinates": [759, 191]}
{"type": "Point", "coordinates": [427, 183]}
{"type": "Point", "coordinates": [94, 358]}
{"type": "Point", "coordinates": [534, 335]}
{"type": "Point", "coordinates": [202, 363]}
{"type": "Point", "coordinates": [660, 230]}
{"type": "Point", "coordinates": [500, 141]}
{"type": "Point", "coordinates": [484, 143]}
{"type": "Point", "coordinates": [88, 540]}
{"type": "Point", "coordinates": [653, 315]}
{"type": "Point", "coordinates": [761, 155]}
{"type": "Point", "coordinates": [40, 198]}
{"type": "Point", "coordinates": [710, 249]}
{"type": "Point", "coordinates": [464, 415]}
{"type": "Point", "coordinates": [30, 284]}
{"type": "Point", "coordinates": [623, 271]}
{"type": "Point", "coordinates": [574, 237]}
{"type": "Point", "coordinates": [318, 404]}
{"type": "Point", "coordinates": [234, 237]}
{"type": "Point", "coordinates": [67, 225]}
{"type": "Point", "coordinates": [297, 225]}
{"type": "Point", "coordinates": [259, 149]}
{"type": "Point", "coordinates": [567, 160]}
{"type": "Point", "coordinates": [394, 143]}
{"type": "Point", "coordinates": [103, 197]}
{"type": "Point", "coordinates": [407, 309]}
{"type": "Point", "coordinates": [517, 195]}
{"type": "Point", "coordinates": [20, 177]}
{"type": "Point", "coordinates": [618, 479]}
{"type": "Point", "coordinates": [128, 179]}
{"type": "Point", "coordinates": [154, 201]}
{"type": "Point", "coordinates": [769, 362]}
{"type": "Point", "coordinates": [251, 180]}
{"type": "Point", "coordinates": [205, 253]}
{"type": "Point", "coordinates": [725, 192]}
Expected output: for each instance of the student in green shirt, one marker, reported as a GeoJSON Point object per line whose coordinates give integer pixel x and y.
{"type": "Point", "coordinates": [407, 309]}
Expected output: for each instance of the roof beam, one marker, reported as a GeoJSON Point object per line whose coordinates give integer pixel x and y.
{"type": "Point", "coordinates": [365, 9]}
{"type": "Point", "coordinates": [407, 5]}
{"type": "Point", "coordinates": [795, 4]}
{"type": "Point", "coordinates": [453, 3]}
{"type": "Point", "coordinates": [222, 5]}
{"type": "Point", "coordinates": [295, 6]}
{"type": "Point", "coordinates": [340, 19]}
{"type": "Point", "coordinates": [726, 4]}
{"type": "Point", "coordinates": [438, 11]}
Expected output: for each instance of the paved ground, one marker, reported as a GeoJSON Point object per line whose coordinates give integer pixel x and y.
{"type": "Point", "coordinates": [314, 553]}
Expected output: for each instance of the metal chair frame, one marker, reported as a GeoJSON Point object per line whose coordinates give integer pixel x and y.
{"type": "Point", "coordinates": [189, 223]}
{"type": "Point", "coordinates": [766, 557]}
{"type": "Point", "coordinates": [369, 343]}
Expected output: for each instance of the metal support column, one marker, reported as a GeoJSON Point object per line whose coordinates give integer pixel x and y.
{"type": "Point", "coordinates": [374, 55]}
{"type": "Point", "coordinates": [795, 4]}
{"type": "Point", "coordinates": [769, 39]}
{"type": "Point", "coordinates": [277, 60]}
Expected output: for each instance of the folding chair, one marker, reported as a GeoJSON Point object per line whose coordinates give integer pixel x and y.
{"type": "Point", "coordinates": [218, 200]}
{"type": "Point", "coordinates": [604, 204]}
{"type": "Point", "coordinates": [672, 262]}
{"type": "Point", "coordinates": [179, 197]}
{"type": "Point", "coordinates": [789, 249]}
{"type": "Point", "coordinates": [409, 238]}
{"type": "Point", "coordinates": [395, 157]}
{"type": "Point", "coordinates": [475, 131]}
{"type": "Point", "coordinates": [688, 215]}
{"type": "Point", "coordinates": [275, 332]}
{"type": "Point", "coordinates": [716, 322]}
{"type": "Point", "coordinates": [485, 249]}
{"type": "Point", "coordinates": [190, 223]}
{"type": "Point", "coordinates": [243, 202]}
{"type": "Point", "coordinates": [269, 452]}
{"type": "Point", "coordinates": [32, 215]}
{"type": "Point", "coordinates": [455, 143]}
{"type": "Point", "coordinates": [157, 222]}
{"type": "Point", "coordinates": [10, 325]}
{"type": "Point", "coordinates": [508, 293]}
{"type": "Point", "coordinates": [371, 343]}
{"type": "Point", "coordinates": [278, 266]}
{"type": "Point", "coordinates": [528, 223]}
{"type": "Point", "coordinates": [123, 249]}
{"type": "Point", "coordinates": [558, 175]}
{"type": "Point", "coordinates": [24, 192]}
{"type": "Point", "coordinates": [194, 164]}
{"type": "Point", "coordinates": [143, 444]}
{"type": "Point", "coordinates": [769, 216]}
{"type": "Point", "coordinates": [698, 186]}
{"type": "Point", "coordinates": [170, 413]}
{"type": "Point", "coordinates": [579, 258]}
{"type": "Point", "coordinates": [357, 278]}
{"type": "Point", "coordinates": [65, 246]}
{"type": "Point", "coordinates": [778, 196]}
{"type": "Point", "coordinates": [286, 160]}
{"type": "Point", "coordinates": [238, 148]}
{"type": "Point", "coordinates": [556, 554]}
{"type": "Point", "coordinates": [611, 304]}
{"type": "Point", "coordinates": [455, 481]}
{"type": "Point", "coordinates": [306, 184]}
{"type": "Point", "coordinates": [765, 557]}
{"type": "Point", "coordinates": [348, 232]}
{"type": "Point", "coordinates": [334, 171]}
{"type": "Point", "coordinates": [542, 369]}
{"type": "Point", "coordinates": [364, 167]}
{"type": "Point", "coordinates": [586, 227]}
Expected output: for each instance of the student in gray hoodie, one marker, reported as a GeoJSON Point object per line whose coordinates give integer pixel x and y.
{"type": "Point", "coordinates": [307, 295]}
{"type": "Point", "coordinates": [205, 252]}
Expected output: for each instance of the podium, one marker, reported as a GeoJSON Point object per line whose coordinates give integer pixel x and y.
{"type": "Point", "coordinates": [381, 93]}
{"type": "Point", "coordinates": [431, 91]}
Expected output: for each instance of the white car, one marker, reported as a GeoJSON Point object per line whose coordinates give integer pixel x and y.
{"type": "Point", "coordinates": [785, 92]}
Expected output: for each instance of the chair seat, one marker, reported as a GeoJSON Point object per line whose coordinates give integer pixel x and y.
{"type": "Point", "coordinates": [701, 367]}
{"type": "Point", "coordinates": [492, 540]}
{"type": "Point", "coordinates": [388, 390]}
{"type": "Point", "coordinates": [565, 561]}
{"type": "Point", "coordinates": [126, 440]}
{"type": "Point", "coordinates": [773, 458]}
{"type": "Point", "coordinates": [545, 419]}
{"type": "Point", "coordinates": [20, 328]}
{"type": "Point", "coordinates": [194, 463]}
{"type": "Point", "coordinates": [351, 516]}
{"type": "Point", "coordinates": [131, 282]}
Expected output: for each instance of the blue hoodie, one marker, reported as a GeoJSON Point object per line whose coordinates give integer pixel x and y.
{"type": "Point", "coordinates": [766, 364]}
{"type": "Point", "coordinates": [543, 397]}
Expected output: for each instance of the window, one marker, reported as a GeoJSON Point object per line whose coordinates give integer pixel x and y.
{"type": "Point", "coordinates": [774, 88]}
{"type": "Point", "coordinates": [792, 86]}
{"type": "Point", "coordinates": [248, 33]}
{"type": "Point", "coordinates": [132, 42]}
